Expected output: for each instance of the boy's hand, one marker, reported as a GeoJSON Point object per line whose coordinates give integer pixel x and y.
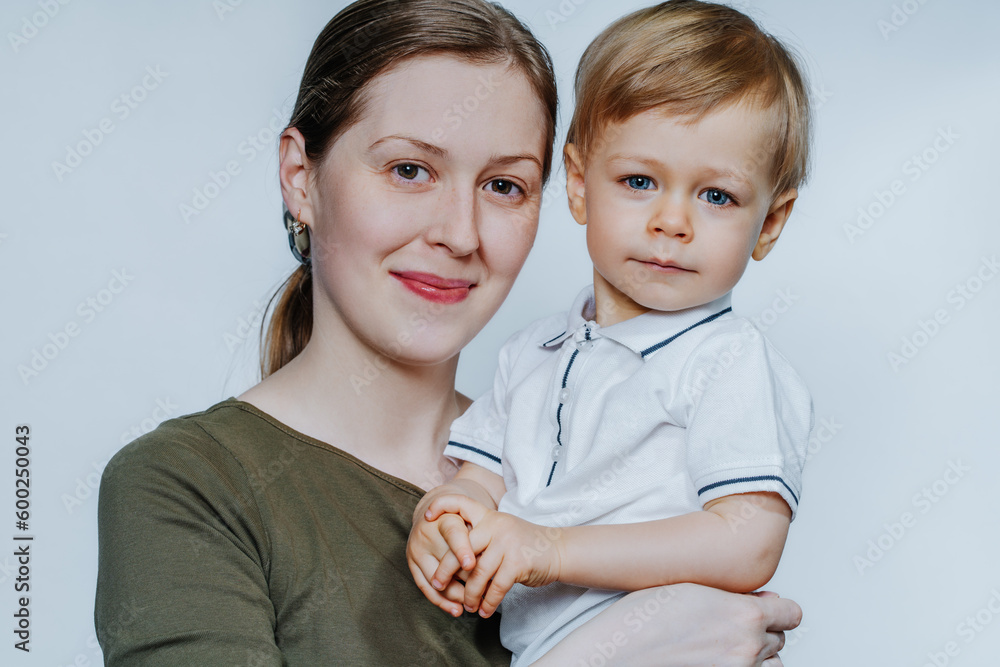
{"type": "Point", "coordinates": [510, 551]}
{"type": "Point", "coordinates": [435, 552]}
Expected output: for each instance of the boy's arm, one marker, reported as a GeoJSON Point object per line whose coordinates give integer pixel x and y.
{"type": "Point", "coordinates": [734, 544]}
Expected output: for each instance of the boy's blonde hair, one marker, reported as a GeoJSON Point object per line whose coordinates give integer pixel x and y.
{"type": "Point", "coordinates": [689, 58]}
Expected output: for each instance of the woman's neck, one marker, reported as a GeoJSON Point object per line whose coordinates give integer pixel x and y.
{"type": "Point", "coordinates": [392, 416]}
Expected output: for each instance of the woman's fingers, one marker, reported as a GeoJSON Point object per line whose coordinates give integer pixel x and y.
{"type": "Point", "coordinates": [780, 614]}
{"type": "Point", "coordinates": [773, 642]}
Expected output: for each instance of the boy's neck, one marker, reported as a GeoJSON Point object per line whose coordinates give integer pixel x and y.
{"type": "Point", "coordinates": [612, 306]}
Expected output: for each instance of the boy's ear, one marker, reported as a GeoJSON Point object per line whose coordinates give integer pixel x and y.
{"type": "Point", "coordinates": [778, 214]}
{"type": "Point", "coordinates": [575, 183]}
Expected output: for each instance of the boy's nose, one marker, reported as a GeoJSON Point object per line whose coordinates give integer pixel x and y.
{"type": "Point", "coordinates": [672, 219]}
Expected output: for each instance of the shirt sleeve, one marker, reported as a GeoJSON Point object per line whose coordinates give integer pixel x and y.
{"type": "Point", "coordinates": [478, 435]}
{"type": "Point", "coordinates": [750, 418]}
{"type": "Point", "coordinates": [182, 557]}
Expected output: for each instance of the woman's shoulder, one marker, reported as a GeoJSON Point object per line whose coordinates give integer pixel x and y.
{"type": "Point", "coordinates": [180, 436]}
{"type": "Point", "coordinates": [179, 451]}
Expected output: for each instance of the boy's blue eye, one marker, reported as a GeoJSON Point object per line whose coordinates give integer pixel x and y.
{"type": "Point", "coordinates": [639, 182]}
{"type": "Point", "coordinates": [716, 197]}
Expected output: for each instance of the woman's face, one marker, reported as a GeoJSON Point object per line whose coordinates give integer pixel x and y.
{"type": "Point", "coordinates": [424, 211]}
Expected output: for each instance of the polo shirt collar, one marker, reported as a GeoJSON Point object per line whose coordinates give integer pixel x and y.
{"type": "Point", "coordinates": [646, 333]}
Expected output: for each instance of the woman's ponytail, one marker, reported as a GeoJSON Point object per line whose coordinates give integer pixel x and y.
{"type": "Point", "coordinates": [290, 327]}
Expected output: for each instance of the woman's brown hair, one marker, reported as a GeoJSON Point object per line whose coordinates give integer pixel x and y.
{"type": "Point", "coordinates": [365, 39]}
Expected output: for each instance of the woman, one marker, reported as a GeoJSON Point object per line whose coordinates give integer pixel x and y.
{"type": "Point", "coordinates": [271, 529]}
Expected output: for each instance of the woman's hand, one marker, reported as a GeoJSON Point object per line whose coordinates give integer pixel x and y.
{"type": "Point", "coordinates": [683, 625]}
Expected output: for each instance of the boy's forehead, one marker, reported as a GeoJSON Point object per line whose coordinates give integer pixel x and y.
{"type": "Point", "coordinates": [742, 123]}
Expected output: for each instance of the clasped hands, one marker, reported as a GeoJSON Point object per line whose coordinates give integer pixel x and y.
{"type": "Point", "coordinates": [463, 554]}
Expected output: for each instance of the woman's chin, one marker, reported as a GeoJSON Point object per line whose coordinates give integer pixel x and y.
{"type": "Point", "coordinates": [426, 349]}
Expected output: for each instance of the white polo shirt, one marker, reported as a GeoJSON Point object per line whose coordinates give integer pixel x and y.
{"type": "Point", "coordinates": [649, 418]}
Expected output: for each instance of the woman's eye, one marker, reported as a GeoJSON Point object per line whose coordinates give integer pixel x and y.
{"type": "Point", "coordinates": [716, 197]}
{"type": "Point", "coordinates": [504, 187]}
{"type": "Point", "coordinates": [411, 172]}
{"type": "Point", "coordinates": [639, 182]}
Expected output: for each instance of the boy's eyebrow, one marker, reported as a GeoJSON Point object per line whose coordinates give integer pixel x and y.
{"type": "Point", "coordinates": [422, 145]}
{"type": "Point", "coordinates": [656, 164]}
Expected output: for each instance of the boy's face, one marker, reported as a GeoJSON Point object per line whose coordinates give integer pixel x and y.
{"type": "Point", "coordinates": [675, 210]}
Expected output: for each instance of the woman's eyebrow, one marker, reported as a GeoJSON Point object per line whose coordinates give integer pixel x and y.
{"type": "Point", "coordinates": [422, 145]}
{"type": "Point", "coordinates": [504, 160]}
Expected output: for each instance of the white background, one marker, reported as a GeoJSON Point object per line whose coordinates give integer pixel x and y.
{"type": "Point", "coordinates": [177, 334]}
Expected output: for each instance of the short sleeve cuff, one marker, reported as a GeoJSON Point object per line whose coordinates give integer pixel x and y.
{"type": "Point", "coordinates": [463, 449]}
{"type": "Point", "coordinates": [750, 480]}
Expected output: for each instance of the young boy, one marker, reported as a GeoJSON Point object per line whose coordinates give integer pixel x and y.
{"type": "Point", "coordinates": [648, 436]}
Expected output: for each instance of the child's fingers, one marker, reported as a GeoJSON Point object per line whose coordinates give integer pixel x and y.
{"type": "Point", "coordinates": [428, 566]}
{"type": "Point", "coordinates": [425, 539]}
{"type": "Point", "coordinates": [445, 571]}
{"type": "Point", "coordinates": [502, 582]}
{"type": "Point", "coordinates": [487, 565]}
{"type": "Point", "coordinates": [467, 508]}
{"type": "Point", "coordinates": [456, 534]}
{"type": "Point", "coordinates": [455, 592]}
{"type": "Point", "coordinates": [451, 607]}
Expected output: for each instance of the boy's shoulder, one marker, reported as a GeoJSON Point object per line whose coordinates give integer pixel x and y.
{"type": "Point", "coordinates": [736, 341]}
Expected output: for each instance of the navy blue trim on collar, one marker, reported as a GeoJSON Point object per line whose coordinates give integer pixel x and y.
{"type": "Point", "coordinates": [759, 478]}
{"type": "Point", "coordinates": [476, 450]}
{"type": "Point", "coordinates": [552, 340]}
{"type": "Point", "coordinates": [662, 344]}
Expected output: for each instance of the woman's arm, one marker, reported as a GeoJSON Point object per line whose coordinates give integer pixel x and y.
{"type": "Point", "coordinates": [182, 561]}
{"type": "Point", "coordinates": [684, 625]}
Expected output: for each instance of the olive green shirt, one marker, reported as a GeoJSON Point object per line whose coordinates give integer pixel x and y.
{"type": "Point", "coordinates": [227, 538]}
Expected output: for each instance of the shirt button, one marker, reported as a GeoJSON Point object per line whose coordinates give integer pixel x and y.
{"type": "Point", "coordinates": [556, 452]}
{"type": "Point", "coordinates": [564, 395]}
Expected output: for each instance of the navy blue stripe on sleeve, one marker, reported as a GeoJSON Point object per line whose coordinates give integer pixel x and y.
{"type": "Point", "coordinates": [476, 450]}
{"type": "Point", "coordinates": [759, 478]}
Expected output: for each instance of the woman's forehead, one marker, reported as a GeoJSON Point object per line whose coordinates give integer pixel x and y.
{"type": "Point", "coordinates": [454, 103]}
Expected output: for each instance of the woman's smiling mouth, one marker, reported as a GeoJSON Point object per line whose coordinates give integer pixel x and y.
{"type": "Point", "coordinates": [434, 288]}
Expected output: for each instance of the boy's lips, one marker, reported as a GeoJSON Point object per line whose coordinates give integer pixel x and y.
{"type": "Point", "coordinates": [433, 287]}
{"type": "Point", "coordinates": [666, 266]}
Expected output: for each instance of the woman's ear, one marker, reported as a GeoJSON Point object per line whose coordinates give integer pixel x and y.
{"type": "Point", "coordinates": [775, 221]}
{"type": "Point", "coordinates": [575, 190]}
{"type": "Point", "coordinates": [294, 173]}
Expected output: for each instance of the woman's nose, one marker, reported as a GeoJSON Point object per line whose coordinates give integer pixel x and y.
{"type": "Point", "coordinates": [457, 225]}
